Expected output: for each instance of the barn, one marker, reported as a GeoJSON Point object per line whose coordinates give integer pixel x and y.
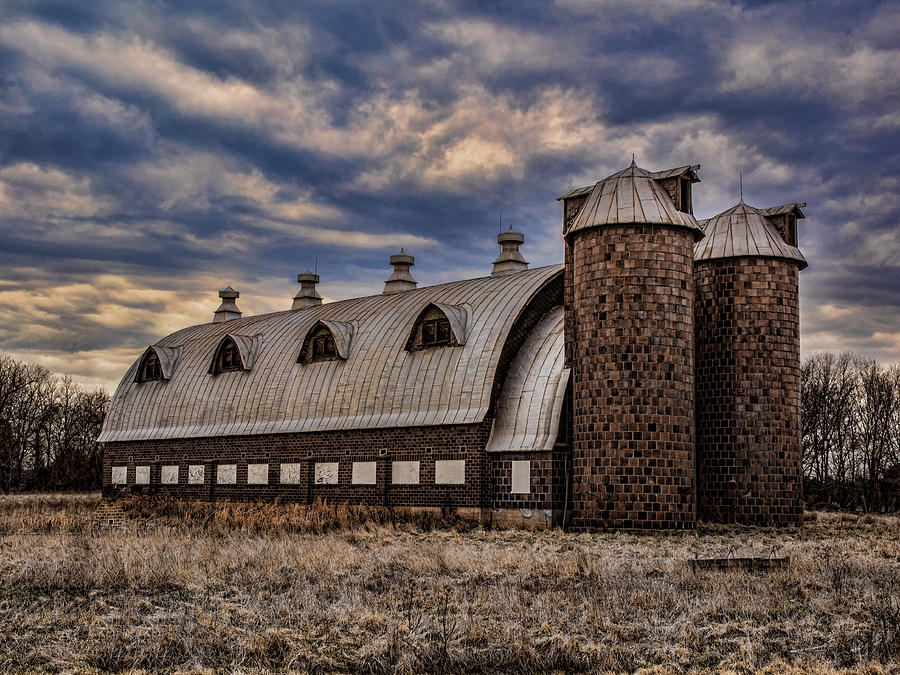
{"type": "Point", "coordinates": [649, 381]}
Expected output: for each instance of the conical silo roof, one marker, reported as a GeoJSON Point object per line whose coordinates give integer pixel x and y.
{"type": "Point", "coordinates": [631, 196]}
{"type": "Point", "coordinates": [743, 231]}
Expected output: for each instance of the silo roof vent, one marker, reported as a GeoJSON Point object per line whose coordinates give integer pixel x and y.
{"type": "Point", "coordinates": [510, 260]}
{"type": "Point", "coordinates": [307, 296]}
{"type": "Point", "coordinates": [401, 280]}
{"type": "Point", "coordinates": [227, 310]}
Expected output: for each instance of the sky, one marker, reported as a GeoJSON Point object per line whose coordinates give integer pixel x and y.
{"type": "Point", "coordinates": [153, 152]}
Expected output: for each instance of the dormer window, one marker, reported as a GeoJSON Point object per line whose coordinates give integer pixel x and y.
{"type": "Point", "coordinates": [439, 325]}
{"type": "Point", "coordinates": [157, 364]}
{"type": "Point", "coordinates": [326, 340]}
{"type": "Point", "coordinates": [323, 347]}
{"type": "Point", "coordinates": [150, 369]}
{"type": "Point", "coordinates": [227, 358]}
{"type": "Point", "coordinates": [684, 202]}
{"type": "Point", "coordinates": [235, 352]}
{"type": "Point", "coordinates": [790, 230]}
{"type": "Point", "coordinates": [436, 332]}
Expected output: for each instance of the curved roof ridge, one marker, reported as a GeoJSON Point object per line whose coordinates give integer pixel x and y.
{"type": "Point", "coordinates": [743, 231]}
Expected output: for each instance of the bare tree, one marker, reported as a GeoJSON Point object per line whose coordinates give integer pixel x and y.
{"type": "Point", "coordinates": [851, 431]}
{"type": "Point", "coordinates": [48, 429]}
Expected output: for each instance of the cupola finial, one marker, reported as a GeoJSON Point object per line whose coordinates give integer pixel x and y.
{"type": "Point", "coordinates": [510, 260]}
{"type": "Point", "coordinates": [228, 310]}
{"type": "Point", "coordinates": [401, 280]}
{"type": "Point", "coordinates": [307, 296]}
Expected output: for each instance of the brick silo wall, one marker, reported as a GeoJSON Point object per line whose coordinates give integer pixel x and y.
{"type": "Point", "coordinates": [633, 377]}
{"type": "Point", "coordinates": [748, 391]}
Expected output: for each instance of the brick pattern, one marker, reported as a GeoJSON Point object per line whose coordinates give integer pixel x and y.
{"type": "Point", "coordinates": [748, 390]}
{"type": "Point", "coordinates": [633, 397]}
{"type": "Point", "coordinates": [382, 446]}
{"type": "Point", "coordinates": [548, 480]}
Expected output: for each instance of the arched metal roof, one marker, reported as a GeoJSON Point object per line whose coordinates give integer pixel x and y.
{"type": "Point", "coordinates": [380, 384]}
{"type": "Point", "coordinates": [743, 231]}
{"type": "Point", "coordinates": [531, 401]}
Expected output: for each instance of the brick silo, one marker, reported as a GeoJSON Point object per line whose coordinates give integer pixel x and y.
{"type": "Point", "coordinates": [629, 258]}
{"type": "Point", "coordinates": [748, 366]}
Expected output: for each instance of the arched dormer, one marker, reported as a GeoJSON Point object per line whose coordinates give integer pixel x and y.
{"type": "Point", "coordinates": [157, 364]}
{"type": "Point", "coordinates": [234, 352]}
{"type": "Point", "coordinates": [326, 341]}
{"type": "Point", "coordinates": [439, 325]}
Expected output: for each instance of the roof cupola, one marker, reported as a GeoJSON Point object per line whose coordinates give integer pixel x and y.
{"type": "Point", "coordinates": [746, 232]}
{"type": "Point", "coordinates": [227, 310]}
{"type": "Point", "coordinates": [307, 296]}
{"type": "Point", "coordinates": [634, 195]}
{"type": "Point", "coordinates": [510, 260]}
{"type": "Point", "coordinates": [401, 280]}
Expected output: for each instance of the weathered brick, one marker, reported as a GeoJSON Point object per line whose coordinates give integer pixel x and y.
{"type": "Point", "coordinates": [633, 462]}
{"type": "Point", "coordinates": [748, 390]}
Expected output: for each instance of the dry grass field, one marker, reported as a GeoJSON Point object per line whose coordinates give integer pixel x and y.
{"type": "Point", "coordinates": [248, 587]}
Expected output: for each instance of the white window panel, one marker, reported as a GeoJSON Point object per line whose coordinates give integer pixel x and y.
{"type": "Point", "coordinates": [326, 473]}
{"type": "Point", "coordinates": [196, 474]}
{"type": "Point", "coordinates": [405, 473]}
{"type": "Point", "coordinates": [291, 474]}
{"type": "Point", "coordinates": [364, 473]}
{"type": "Point", "coordinates": [450, 471]}
{"type": "Point", "coordinates": [142, 475]}
{"type": "Point", "coordinates": [521, 477]}
{"type": "Point", "coordinates": [226, 474]}
{"type": "Point", "coordinates": [257, 474]}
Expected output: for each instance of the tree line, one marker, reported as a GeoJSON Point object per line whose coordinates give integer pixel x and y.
{"type": "Point", "coordinates": [48, 430]}
{"type": "Point", "coordinates": [850, 417]}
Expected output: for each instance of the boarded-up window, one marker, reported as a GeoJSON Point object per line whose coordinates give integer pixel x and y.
{"type": "Point", "coordinates": [142, 475]}
{"type": "Point", "coordinates": [257, 474]}
{"type": "Point", "coordinates": [119, 475]}
{"type": "Point", "coordinates": [450, 471]}
{"type": "Point", "coordinates": [226, 474]}
{"type": "Point", "coordinates": [326, 473]}
{"type": "Point", "coordinates": [521, 477]}
{"type": "Point", "coordinates": [196, 474]}
{"type": "Point", "coordinates": [405, 473]}
{"type": "Point", "coordinates": [291, 474]}
{"type": "Point", "coordinates": [364, 473]}
{"type": "Point", "coordinates": [169, 474]}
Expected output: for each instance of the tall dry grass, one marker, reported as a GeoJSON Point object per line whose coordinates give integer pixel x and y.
{"type": "Point", "coordinates": [243, 586]}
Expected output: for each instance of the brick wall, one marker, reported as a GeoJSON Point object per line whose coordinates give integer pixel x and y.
{"type": "Point", "coordinates": [382, 446]}
{"type": "Point", "coordinates": [548, 480]}
{"type": "Point", "coordinates": [748, 390]}
{"type": "Point", "coordinates": [633, 378]}
{"type": "Point", "coordinates": [423, 444]}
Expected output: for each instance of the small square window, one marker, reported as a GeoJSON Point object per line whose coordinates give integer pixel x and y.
{"type": "Point", "coordinates": [319, 347]}
{"type": "Point", "coordinates": [436, 332]}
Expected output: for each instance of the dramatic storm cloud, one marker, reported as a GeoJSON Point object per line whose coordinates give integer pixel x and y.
{"type": "Point", "coordinates": [151, 153]}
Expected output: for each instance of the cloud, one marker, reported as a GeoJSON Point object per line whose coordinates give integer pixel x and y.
{"type": "Point", "coordinates": [149, 156]}
{"type": "Point", "coordinates": [853, 73]}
